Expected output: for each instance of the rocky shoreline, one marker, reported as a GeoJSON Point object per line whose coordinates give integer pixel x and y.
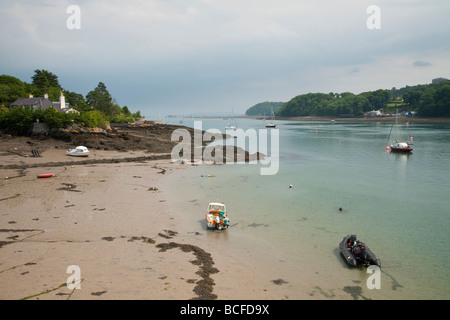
{"type": "Point", "coordinates": [152, 140]}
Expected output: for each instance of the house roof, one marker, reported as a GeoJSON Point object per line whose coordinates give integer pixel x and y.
{"type": "Point", "coordinates": [39, 102]}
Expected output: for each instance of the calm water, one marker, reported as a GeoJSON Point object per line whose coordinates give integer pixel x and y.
{"type": "Point", "coordinates": [398, 204]}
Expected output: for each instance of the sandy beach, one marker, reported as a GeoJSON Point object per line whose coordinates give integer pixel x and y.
{"type": "Point", "coordinates": [102, 230]}
{"type": "Point", "coordinates": [107, 219]}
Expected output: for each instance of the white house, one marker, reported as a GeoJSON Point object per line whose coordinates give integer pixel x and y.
{"type": "Point", "coordinates": [374, 113]}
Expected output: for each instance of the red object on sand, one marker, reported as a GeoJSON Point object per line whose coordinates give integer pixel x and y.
{"type": "Point", "coordinates": [48, 175]}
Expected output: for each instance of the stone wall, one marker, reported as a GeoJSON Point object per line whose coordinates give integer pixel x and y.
{"type": "Point", "coordinates": [40, 128]}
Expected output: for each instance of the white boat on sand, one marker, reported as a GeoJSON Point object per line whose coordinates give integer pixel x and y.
{"type": "Point", "coordinates": [216, 216]}
{"type": "Point", "coordinates": [79, 151]}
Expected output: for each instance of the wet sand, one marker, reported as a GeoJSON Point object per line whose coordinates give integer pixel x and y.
{"type": "Point", "coordinates": [112, 221]}
{"type": "Point", "coordinates": [107, 219]}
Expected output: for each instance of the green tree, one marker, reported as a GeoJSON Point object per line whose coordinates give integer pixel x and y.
{"type": "Point", "coordinates": [17, 119]}
{"type": "Point", "coordinates": [99, 99]}
{"type": "Point", "coordinates": [126, 111]}
{"type": "Point", "coordinates": [435, 102]}
{"type": "Point", "coordinates": [93, 118]}
{"type": "Point", "coordinates": [304, 105]}
{"type": "Point", "coordinates": [122, 118]}
{"type": "Point", "coordinates": [46, 82]}
{"type": "Point", "coordinates": [137, 114]}
{"type": "Point", "coordinates": [412, 98]}
{"type": "Point", "coordinates": [263, 109]}
{"type": "Point", "coordinates": [76, 101]}
{"type": "Point", "coordinates": [378, 99]}
{"type": "Point", "coordinates": [11, 89]}
{"type": "Point", "coordinates": [55, 119]}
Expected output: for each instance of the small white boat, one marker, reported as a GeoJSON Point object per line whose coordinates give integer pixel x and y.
{"type": "Point", "coordinates": [272, 123]}
{"type": "Point", "coordinates": [231, 127]}
{"type": "Point", "coordinates": [79, 151]}
{"type": "Point", "coordinates": [216, 216]}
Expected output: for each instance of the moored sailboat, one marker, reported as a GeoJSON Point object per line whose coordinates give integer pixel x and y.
{"type": "Point", "coordinates": [396, 142]}
{"type": "Point", "coordinates": [271, 124]}
{"type": "Point", "coordinates": [231, 127]}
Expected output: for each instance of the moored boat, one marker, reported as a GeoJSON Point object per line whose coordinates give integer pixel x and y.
{"type": "Point", "coordinates": [271, 124]}
{"type": "Point", "coordinates": [396, 141]}
{"type": "Point", "coordinates": [216, 216]}
{"type": "Point", "coordinates": [400, 147]}
{"type": "Point", "coordinates": [356, 253]}
{"type": "Point", "coordinates": [79, 151]}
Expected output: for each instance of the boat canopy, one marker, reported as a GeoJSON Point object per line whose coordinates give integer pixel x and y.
{"type": "Point", "coordinates": [217, 206]}
{"type": "Point", "coordinates": [402, 144]}
{"type": "Point", "coordinates": [81, 149]}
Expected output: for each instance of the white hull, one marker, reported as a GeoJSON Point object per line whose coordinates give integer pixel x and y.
{"type": "Point", "coordinates": [78, 152]}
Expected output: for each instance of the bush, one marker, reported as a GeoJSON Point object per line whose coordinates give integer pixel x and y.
{"type": "Point", "coordinates": [121, 118]}
{"type": "Point", "coordinates": [55, 119]}
{"type": "Point", "coordinates": [93, 119]}
{"type": "Point", "coordinates": [18, 119]}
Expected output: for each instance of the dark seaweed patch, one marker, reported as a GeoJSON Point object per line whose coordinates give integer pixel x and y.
{"type": "Point", "coordinates": [204, 287]}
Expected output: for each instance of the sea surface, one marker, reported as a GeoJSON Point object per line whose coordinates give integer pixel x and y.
{"type": "Point", "coordinates": [334, 179]}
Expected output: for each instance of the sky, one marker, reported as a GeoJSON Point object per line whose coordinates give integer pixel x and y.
{"type": "Point", "coordinates": [200, 56]}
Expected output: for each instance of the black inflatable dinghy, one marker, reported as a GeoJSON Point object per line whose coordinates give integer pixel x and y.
{"type": "Point", "coordinates": [356, 253]}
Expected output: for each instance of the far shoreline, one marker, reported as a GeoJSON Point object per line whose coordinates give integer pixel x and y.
{"type": "Point", "coordinates": [415, 119]}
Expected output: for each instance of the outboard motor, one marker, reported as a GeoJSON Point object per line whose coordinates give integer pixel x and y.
{"type": "Point", "coordinates": [363, 255]}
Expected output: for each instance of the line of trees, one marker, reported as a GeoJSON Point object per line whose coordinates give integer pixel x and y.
{"type": "Point", "coordinates": [431, 100]}
{"type": "Point", "coordinates": [334, 104]}
{"type": "Point", "coordinates": [97, 109]}
{"type": "Point", "coordinates": [263, 109]}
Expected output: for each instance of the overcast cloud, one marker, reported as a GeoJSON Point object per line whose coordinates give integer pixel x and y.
{"type": "Point", "coordinates": [182, 56]}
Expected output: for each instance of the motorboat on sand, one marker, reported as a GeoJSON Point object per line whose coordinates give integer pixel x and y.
{"type": "Point", "coordinates": [216, 216]}
{"type": "Point", "coordinates": [80, 151]}
{"type": "Point", "coordinates": [356, 253]}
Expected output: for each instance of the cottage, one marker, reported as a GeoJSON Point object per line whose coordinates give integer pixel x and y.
{"type": "Point", "coordinates": [35, 103]}
{"type": "Point", "coordinates": [42, 103]}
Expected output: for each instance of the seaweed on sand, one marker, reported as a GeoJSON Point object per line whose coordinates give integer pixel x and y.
{"type": "Point", "coordinates": [204, 287]}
